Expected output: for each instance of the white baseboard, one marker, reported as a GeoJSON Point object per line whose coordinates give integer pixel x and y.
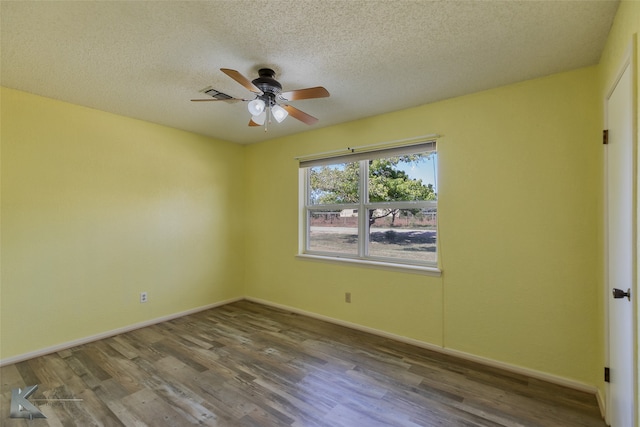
{"type": "Point", "coordinates": [544, 376]}
{"type": "Point", "coordinates": [107, 334]}
{"type": "Point", "coordinates": [602, 404]}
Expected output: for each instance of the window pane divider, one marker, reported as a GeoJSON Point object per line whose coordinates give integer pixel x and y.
{"type": "Point", "coordinates": [409, 204]}
{"type": "Point", "coordinates": [338, 207]}
{"type": "Point", "coordinates": [363, 225]}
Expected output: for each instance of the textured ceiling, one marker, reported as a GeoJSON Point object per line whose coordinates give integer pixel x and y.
{"type": "Point", "coordinates": [148, 59]}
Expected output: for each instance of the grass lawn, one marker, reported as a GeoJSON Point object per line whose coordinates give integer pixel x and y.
{"type": "Point", "coordinates": [417, 244]}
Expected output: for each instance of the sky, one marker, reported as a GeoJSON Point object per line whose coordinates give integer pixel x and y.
{"type": "Point", "coordinates": [426, 170]}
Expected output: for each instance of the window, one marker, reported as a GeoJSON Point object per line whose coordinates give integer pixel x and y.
{"type": "Point", "coordinates": [375, 205]}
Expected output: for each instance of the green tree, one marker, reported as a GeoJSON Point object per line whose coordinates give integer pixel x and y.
{"type": "Point", "coordinates": [334, 184]}
{"type": "Point", "coordinates": [388, 182]}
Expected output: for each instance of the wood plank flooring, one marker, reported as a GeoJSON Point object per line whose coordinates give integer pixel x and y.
{"type": "Point", "coordinates": [245, 364]}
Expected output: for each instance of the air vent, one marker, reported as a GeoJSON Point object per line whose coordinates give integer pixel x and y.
{"type": "Point", "coordinates": [218, 95]}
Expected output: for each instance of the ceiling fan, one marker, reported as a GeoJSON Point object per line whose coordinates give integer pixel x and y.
{"type": "Point", "coordinates": [269, 99]}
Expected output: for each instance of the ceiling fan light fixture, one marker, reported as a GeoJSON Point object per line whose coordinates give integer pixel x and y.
{"type": "Point", "coordinates": [279, 113]}
{"type": "Point", "coordinates": [260, 118]}
{"type": "Point", "coordinates": [256, 107]}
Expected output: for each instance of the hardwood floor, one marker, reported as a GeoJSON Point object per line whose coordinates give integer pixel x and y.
{"type": "Point", "coordinates": [245, 364]}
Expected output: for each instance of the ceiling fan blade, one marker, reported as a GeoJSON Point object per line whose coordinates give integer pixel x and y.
{"type": "Point", "coordinates": [300, 115]}
{"type": "Point", "coordinates": [309, 93]}
{"type": "Point", "coordinates": [216, 99]}
{"type": "Point", "coordinates": [242, 80]}
{"type": "Point", "coordinates": [252, 123]}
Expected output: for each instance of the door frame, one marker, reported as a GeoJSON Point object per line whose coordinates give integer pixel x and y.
{"type": "Point", "coordinates": [629, 59]}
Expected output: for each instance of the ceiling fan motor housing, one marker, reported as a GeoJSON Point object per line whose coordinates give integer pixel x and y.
{"type": "Point", "coordinates": [269, 85]}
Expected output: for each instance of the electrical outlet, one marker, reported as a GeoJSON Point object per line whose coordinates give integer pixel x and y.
{"type": "Point", "coordinates": [347, 297]}
{"type": "Point", "coordinates": [143, 297]}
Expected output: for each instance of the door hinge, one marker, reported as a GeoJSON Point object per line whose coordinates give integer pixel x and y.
{"type": "Point", "coordinates": [605, 136]}
{"type": "Point", "coordinates": [607, 375]}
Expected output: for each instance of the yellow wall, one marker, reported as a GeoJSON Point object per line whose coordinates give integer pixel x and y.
{"type": "Point", "coordinates": [97, 208]}
{"type": "Point", "coordinates": [519, 219]}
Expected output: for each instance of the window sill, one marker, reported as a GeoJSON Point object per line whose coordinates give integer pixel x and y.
{"type": "Point", "coordinates": [406, 268]}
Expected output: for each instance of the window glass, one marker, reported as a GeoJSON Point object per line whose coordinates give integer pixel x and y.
{"type": "Point", "coordinates": [334, 231]}
{"type": "Point", "coordinates": [334, 184]}
{"type": "Point", "coordinates": [402, 178]}
{"type": "Point", "coordinates": [403, 234]}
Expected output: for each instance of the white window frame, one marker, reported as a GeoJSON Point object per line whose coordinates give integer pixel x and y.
{"type": "Point", "coordinates": [363, 156]}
